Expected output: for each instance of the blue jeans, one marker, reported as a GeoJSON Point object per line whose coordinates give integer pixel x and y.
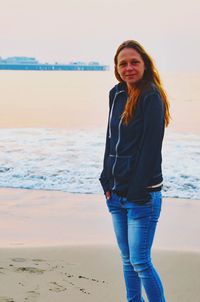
{"type": "Point", "coordinates": [134, 227]}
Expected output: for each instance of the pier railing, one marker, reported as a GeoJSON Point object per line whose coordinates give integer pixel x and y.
{"type": "Point", "coordinates": [54, 67]}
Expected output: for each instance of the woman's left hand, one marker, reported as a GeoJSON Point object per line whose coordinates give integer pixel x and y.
{"type": "Point", "coordinates": [108, 195]}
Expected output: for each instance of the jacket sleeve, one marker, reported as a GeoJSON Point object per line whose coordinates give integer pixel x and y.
{"type": "Point", "coordinates": [149, 151]}
{"type": "Point", "coordinates": [104, 180]}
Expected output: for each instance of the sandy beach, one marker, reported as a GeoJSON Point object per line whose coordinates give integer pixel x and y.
{"type": "Point", "coordinates": [89, 273]}
{"type": "Point", "coordinates": [57, 246]}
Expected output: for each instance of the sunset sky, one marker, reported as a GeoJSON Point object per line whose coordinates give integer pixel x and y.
{"type": "Point", "coordinates": [67, 30]}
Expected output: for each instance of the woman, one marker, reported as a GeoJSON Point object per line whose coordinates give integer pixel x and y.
{"type": "Point", "coordinates": [132, 175]}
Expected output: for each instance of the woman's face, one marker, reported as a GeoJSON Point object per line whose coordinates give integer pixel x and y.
{"type": "Point", "coordinates": [130, 66]}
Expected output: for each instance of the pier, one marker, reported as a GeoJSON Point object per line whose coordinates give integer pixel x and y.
{"type": "Point", "coordinates": [53, 67]}
{"type": "Point", "coordinates": [28, 63]}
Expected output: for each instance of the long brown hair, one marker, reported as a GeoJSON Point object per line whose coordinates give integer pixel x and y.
{"type": "Point", "coordinates": [151, 75]}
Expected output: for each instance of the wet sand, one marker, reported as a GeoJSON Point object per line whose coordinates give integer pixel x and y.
{"type": "Point", "coordinates": [57, 246]}
{"type": "Point", "coordinates": [49, 218]}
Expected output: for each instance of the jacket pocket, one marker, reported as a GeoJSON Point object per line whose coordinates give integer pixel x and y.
{"type": "Point", "coordinates": [110, 164]}
{"type": "Point", "coordinates": [123, 168]}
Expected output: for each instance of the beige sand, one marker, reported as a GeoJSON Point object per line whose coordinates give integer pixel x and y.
{"type": "Point", "coordinates": [80, 261]}
{"type": "Point", "coordinates": [90, 273]}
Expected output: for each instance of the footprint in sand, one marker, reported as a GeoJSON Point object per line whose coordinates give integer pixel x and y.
{"type": "Point", "coordinates": [27, 268]}
{"type": "Point", "coordinates": [38, 260]}
{"type": "Point", "coordinates": [6, 299]}
{"type": "Point", "coordinates": [1, 270]}
{"type": "Point", "coordinates": [18, 259]}
{"type": "Point", "coordinates": [83, 290]}
{"type": "Point", "coordinates": [55, 287]}
{"type": "Point", "coordinates": [30, 270]}
{"type": "Point", "coordinates": [31, 296]}
{"type": "Point", "coordinates": [91, 279]}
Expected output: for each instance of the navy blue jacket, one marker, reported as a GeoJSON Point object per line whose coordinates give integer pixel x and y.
{"type": "Point", "coordinates": [132, 159]}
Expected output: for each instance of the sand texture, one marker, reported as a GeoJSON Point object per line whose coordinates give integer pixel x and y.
{"type": "Point", "coordinates": [59, 247]}
{"type": "Point", "coordinates": [90, 273]}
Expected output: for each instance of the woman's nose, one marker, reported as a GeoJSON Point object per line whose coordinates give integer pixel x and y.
{"type": "Point", "coordinates": [129, 66]}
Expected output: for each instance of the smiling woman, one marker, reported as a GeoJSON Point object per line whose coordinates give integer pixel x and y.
{"type": "Point", "coordinates": [132, 175]}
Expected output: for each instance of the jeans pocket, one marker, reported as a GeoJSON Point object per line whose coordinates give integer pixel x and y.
{"type": "Point", "coordinates": [156, 199]}
{"type": "Point", "coordinates": [113, 203]}
{"type": "Point", "coordinates": [109, 205]}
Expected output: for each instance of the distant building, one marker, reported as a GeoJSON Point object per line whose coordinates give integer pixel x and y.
{"type": "Point", "coordinates": [19, 60]}
{"type": "Point", "coordinates": [30, 63]}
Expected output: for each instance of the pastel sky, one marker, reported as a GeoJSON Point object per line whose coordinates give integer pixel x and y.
{"type": "Point", "coordinates": [88, 30]}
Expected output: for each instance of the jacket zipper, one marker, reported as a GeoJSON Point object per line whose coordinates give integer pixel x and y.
{"type": "Point", "coordinates": [116, 148]}
{"type": "Point", "coordinates": [111, 112]}
{"type": "Point", "coordinates": [118, 141]}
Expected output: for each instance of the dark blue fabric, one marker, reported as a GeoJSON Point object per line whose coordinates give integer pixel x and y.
{"type": "Point", "coordinates": [137, 163]}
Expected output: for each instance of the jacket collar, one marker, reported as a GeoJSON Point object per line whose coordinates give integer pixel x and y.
{"type": "Point", "coordinates": [122, 87]}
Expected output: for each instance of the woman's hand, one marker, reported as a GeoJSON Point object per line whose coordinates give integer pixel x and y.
{"type": "Point", "coordinates": [108, 195]}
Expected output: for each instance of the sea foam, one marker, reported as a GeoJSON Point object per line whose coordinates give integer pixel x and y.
{"type": "Point", "coordinates": [71, 161]}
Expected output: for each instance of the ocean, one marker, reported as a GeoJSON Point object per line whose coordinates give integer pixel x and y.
{"type": "Point", "coordinates": [52, 138]}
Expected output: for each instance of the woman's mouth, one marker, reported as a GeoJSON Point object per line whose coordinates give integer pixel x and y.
{"type": "Point", "coordinates": [130, 75]}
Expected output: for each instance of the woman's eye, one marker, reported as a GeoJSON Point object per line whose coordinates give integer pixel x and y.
{"type": "Point", "coordinates": [135, 62]}
{"type": "Point", "coordinates": [122, 64]}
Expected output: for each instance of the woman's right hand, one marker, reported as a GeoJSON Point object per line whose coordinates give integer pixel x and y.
{"type": "Point", "coordinates": [108, 195]}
